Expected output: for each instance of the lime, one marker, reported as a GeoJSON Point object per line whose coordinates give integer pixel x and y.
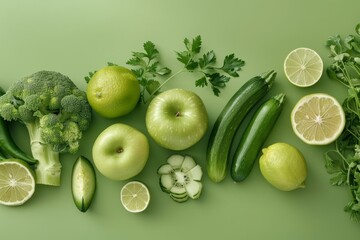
{"type": "Point", "coordinates": [318, 119]}
{"type": "Point", "coordinates": [17, 182]}
{"type": "Point", "coordinates": [113, 91]}
{"type": "Point", "coordinates": [135, 196]}
{"type": "Point", "coordinates": [283, 166]}
{"type": "Point", "coordinates": [303, 67]}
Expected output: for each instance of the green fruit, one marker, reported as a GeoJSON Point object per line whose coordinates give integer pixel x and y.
{"type": "Point", "coordinates": [120, 152]}
{"type": "Point", "coordinates": [177, 119]}
{"type": "Point", "coordinates": [283, 166]}
{"type": "Point", "coordinates": [113, 91]}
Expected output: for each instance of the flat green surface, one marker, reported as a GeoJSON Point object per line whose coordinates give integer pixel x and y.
{"type": "Point", "coordinates": [75, 37]}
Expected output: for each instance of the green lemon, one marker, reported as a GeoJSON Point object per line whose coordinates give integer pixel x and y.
{"type": "Point", "coordinates": [113, 91]}
{"type": "Point", "coordinates": [283, 166]}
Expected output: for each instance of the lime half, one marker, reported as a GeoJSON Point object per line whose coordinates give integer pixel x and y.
{"type": "Point", "coordinates": [303, 67]}
{"type": "Point", "coordinates": [318, 119]}
{"type": "Point", "coordinates": [17, 182]}
{"type": "Point", "coordinates": [135, 196]}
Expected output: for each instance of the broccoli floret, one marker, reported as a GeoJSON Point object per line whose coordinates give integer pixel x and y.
{"type": "Point", "coordinates": [55, 112]}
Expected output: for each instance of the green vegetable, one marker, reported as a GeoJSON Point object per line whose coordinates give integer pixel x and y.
{"type": "Point", "coordinates": [83, 183]}
{"type": "Point", "coordinates": [148, 68]}
{"type": "Point", "coordinates": [343, 162]}
{"type": "Point", "coordinates": [181, 177]}
{"type": "Point", "coordinates": [55, 113]}
{"type": "Point", "coordinates": [8, 148]}
{"type": "Point", "coordinates": [254, 137]}
{"type": "Point", "coordinates": [229, 120]}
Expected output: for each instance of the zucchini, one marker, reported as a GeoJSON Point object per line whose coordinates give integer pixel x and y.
{"type": "Point", "coordinates": [83, 183]}
{"type": "Point", "coordinates": [229, 120]}
{"type": "Point", "coordinates": [254, 137]}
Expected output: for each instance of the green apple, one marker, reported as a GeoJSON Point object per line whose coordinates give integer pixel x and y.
{"type": "Point", "coordinates": [176, 119]}
{"type": "Point", "coordinates": [120, 152]}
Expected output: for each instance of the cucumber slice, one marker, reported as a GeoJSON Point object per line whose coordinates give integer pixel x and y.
{"type": "Point", "coordinates": [181, 177]}
{"type": "Point", "coordinates": [193, 189]}
{"type": "Point", "coordinates": [165, 169]}
{"type": "Point", "coordinates": [187, 164]}
{"type": "Point", "coordinates": [175, 161]}
{"type": "Point", "coordinates": [178, 189]}
{"type": "Point", "coordinates": [195, 173]}
{"type": "Point", "coordinates": [166, 182]}
{"type": "Point", "coordinates": [179, 199]}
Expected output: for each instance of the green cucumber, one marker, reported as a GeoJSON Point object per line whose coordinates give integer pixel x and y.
{"type": "Point", "coordinates": [230, 119]}
{"type": "Point", "coordinates": [254, 137]}
{"type": "Point", "coordinates": [181, 177]}
{"type": "Point", "coordinates": [83, 183]}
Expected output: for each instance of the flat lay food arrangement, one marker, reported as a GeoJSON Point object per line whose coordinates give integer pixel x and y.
{"type": "Point", "coordinates": [131, 140]}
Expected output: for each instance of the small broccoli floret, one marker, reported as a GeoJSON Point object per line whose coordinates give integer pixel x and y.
{"type": "Point", "coordinates": [55, 112]}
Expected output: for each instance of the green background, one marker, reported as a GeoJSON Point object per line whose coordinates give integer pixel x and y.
{"type": "Point", "coordinates": [75, 37]}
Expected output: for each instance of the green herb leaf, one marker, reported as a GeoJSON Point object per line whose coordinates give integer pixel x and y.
{"type": "Point", "coordinates": [196, 45]}
{"type": "Point", "coordinates": [207, 59]}
{"type": "Point", "coordinates": [89, 76]}
{"type": "Point", "coordinates": [232, 65]}
{"type": "Point", "coordinates": [201, 82]}
{"type": "Point", "coordinates": [343, 163]}
{"type": "Point", "coordinates": [163, 71]}
{"type": "Point", "coordinates": [151, 51]}
{"type": "Point", "coordinates": [183, 57]}
{"type": "Point", "coordinates": [357, 29]}
{"type": "Point", "coordinates": [152, 86]}
{"type": "Point", "coordinates": [147, 67]}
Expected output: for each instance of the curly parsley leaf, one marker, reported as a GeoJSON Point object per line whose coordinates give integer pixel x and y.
{"type": "Point", "coordinates": [232, 65]}
{"type": "Point", "coordinates": [146, 68]}
{"type": "Point", "coordinates": [216, 77]}
{"type": "Point", "coordinates": [343, 163]}
{"type": "Point", "coordinates": [335, 167]}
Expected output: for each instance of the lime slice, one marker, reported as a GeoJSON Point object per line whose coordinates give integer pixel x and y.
{"type": "Point", "coordinates": [318, 119]}
{"type": "Point", "coordinates": [135, 196]}
{"type": "Point", "coordinates": [17, 182]}
{"type": "Point", "coordinates": [303, 67]}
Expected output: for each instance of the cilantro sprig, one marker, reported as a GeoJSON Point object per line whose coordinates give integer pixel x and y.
{"type": "Point", "coordinates": [343, 162]}
{"type": "Point", "coordinates": [148, 69]}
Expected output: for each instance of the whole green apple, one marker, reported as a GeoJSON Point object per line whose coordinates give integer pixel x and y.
{"type": "Point", "coordinates": [176, 119]}
{"type": "Point", "coordinates": [120, 152]}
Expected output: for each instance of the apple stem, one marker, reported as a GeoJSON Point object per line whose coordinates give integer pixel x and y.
{"type": "Point", "coordinates": [178, 114]}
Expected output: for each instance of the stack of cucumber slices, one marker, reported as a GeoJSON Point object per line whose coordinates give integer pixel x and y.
{"type": "Point", "coordinates": [181, 177]}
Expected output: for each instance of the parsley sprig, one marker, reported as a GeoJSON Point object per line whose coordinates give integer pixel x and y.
{"type": "Point", "coordinates": [148, 69]}
{"type": "Point", "coordinates": [343, 162]}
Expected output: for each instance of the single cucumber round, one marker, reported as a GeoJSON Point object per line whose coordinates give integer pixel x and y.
{"type": "Point", "coordinates": [230, 119]}
{"type": "Point", "coordinates": [254, 137]}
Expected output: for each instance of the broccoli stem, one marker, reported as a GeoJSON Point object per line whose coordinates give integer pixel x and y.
{"type": "Point", "coordinates": [48, 169]}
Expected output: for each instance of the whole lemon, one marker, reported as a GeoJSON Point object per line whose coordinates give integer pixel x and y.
{"type": "Point", "coordinates": [113, 91]}
{"type": "Point", "coordinates": [283, 166]}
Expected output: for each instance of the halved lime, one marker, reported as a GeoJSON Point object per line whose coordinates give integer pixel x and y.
{"type": "Point", "coordinates": [318, 119]}
{"type": "Point", "coordinates": [17, 182]}
{"type": "Point", "coordinates": [135, 196]}
{"type": "Point", "coordinates": [303, 67]}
